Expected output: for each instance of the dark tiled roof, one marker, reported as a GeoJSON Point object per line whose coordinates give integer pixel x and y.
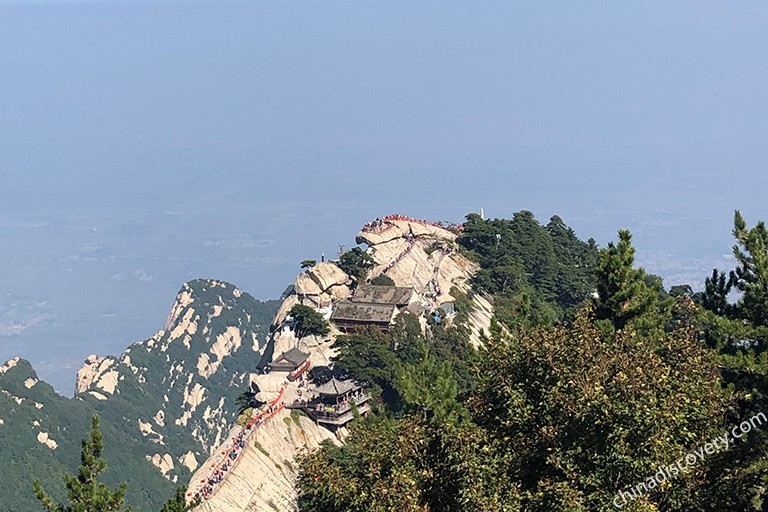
{"type": "Point", "coordinates": [397, 295]}
{"type": "Point", "coordinates": [337, 387]}
{"type": "Point", "coordinates": [293, 356]}
{"type": "Point", "coordinates": [363, 312]}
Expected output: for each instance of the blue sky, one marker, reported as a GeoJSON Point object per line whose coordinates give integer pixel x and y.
{"type": "Point", "coordinates": [146, 143]}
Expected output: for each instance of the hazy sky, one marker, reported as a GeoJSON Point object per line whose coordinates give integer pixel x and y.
{"type": "Point", "coordinates": [143, 144]}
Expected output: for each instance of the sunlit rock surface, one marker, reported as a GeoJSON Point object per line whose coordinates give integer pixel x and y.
{"type": "Point", "coordinates": [182, 381]}
{"type": "Point", "coordinates": [413, 254]}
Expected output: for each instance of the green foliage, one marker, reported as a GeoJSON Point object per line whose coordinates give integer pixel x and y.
{"type": "Point", "coordinates": [450, 344]}
{"type": "Point", "coordinates": [740, 332]}
{"type": "Point", "coordinates": [244, 416]}
{"type": "Point", "coordinates": [178, 503]}
{"type": "Point", "coordinates": [536, 272]}
{"type": "Point", "coordinates": [404, 336]}
{"type": "Point", "coordinates": [680, 290]}
{"type": "Point", "coordinates": [367, 357]}
{"type": "Point", "coordinates": [259, 447]}
{"type": "Point", "coordinates": [382, 280]}
{"type": "Point", "coordinates": [296, 415]}
{"type": "Point", "coordinates": [626, 295]}
{"type": "Point", "coordinates": [308, 263]}
{"type": "Point", "coordinates": [575, 262]}
{"type": "Point", "coordinates": [381, 467]}
{"type": "Point", "coordinates": [67, 421]}
{"type": "Point", "coordinates": [750, 276]}
{"type": "Point", "coordinates": [405, 464]}
{"type": "Point", "coordinates": [462, 303]}
{"type": "Point", "coordinates": [247, 400]}
{"type": "Point", "coordinates": [84, 492]}
{"type": "Point", "coordinates": [429, 388]}
{"type": "Point", "coordinates": [716, 290]}
{"type": "Point", "coordinates": [606, 413]}
{"type": "Point", "coordinates": [375, 359]}
{"type": "Point", "coordinates": [308, 322]}
{"type": "Point", "coordinates": [524, 310]}
{"type": "Point", "coordinates": [357, 263]}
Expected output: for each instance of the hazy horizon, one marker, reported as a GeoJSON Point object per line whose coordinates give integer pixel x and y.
{"type": "Point", "coordinates": [146, 144]}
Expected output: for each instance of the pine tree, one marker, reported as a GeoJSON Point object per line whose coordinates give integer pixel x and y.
{"type": "Point", "coordinates": [751, 274]}
{"type": "Point", "coordinates": [84, 492]}
{"type": "Point", "coordinates": [357, 263]}
{"type": "Point", "coordinates": [740, 332]}
{"type": "Point", "coordinates": [367, 356]}
{"type": "Point", "coordinates": [179, 503]}
{"type": "Point", "coordinates": [624, 295]}
{"type": "Point", "coordinates": [716, 290]}
{"type": "Point", "coordinates": [308, 322]}
{"type": "Point", "coordinates": [247, 400]}
{"type": "Point", "coordinates": [429, 388]}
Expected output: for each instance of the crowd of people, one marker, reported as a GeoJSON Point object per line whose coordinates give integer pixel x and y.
{"type": "Point", "coordinates": [383, 223]}
{"type": "Point", "coordinates": [228, 456]}
{"type": "Point", "coordinates": [377, 226]}
{"type": "Point", "coordinates": [411, 242]}
{"type": "Point", "coordinates": [433, 290]}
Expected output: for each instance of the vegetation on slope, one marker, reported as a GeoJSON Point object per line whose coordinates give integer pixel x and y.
{"type": "Point", "coordinates": [84, 490]}
{"type": "Point", "coordinates": [535, 272]}
{"type": "Point", "coordinates": [165, 371]}
{"type": "Point", "coordinates": [357, 263]}
{"type": "Point", "coordinates": [598, 381]}
{"type": "Point", "coordinates": [308, 322]}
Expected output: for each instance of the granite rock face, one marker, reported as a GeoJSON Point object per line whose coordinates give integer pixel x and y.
{"type": "Point", "coordinates": [166, 402]}
{"type": "Point", "coordinates": [414, 254]}
{"type": "Point", "coordinates": [424, 256]}
{"type": "Point", "coordinates": [265, 473]}
{"type": "Point", "coordinates": [187, 374]}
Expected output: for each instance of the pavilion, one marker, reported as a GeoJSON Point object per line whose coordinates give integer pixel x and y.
{"type": "Point", "coordinates": [334, 403]}
{"type": "Point", "coordinates": [293, 361]}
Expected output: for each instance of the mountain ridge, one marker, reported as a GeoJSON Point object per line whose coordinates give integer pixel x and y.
{"type": "Point", "coordinates": [164, 402]}
{"type": "Point", "coordinates": [412, 253]}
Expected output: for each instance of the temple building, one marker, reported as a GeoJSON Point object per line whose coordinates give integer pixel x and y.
{"type": "Point", "coordinates": [351, 316]}
{"type": "Point", "coordinates": [293, 361]}
{"type": "Point", "coordinates": [372, 305]}
{"type": "Point", "coordinates": [333, 404]}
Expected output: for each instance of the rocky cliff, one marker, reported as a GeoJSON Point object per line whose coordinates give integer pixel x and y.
{"type": "Point", "coordinates": [413, 254]}
{"type": "Point", "coordinates": [168, 403]}
{"type": "Point", "coordinates": [265, 474]}
{"type": "Point", "coordinates": [165, 402]}
{"type": "Point", "coordinates": [424, 256]}
{"type": "Point", "coordinates": [182, 382]}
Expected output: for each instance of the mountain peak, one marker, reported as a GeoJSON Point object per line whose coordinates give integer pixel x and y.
{"type": "Point", "coordinates": [416, 255]}
{"type": "Point", "coordinates": [200, 291]}
{"type": "Point", "coordinates": [18, 368]}
{"type": "Point", "coordinates": [10, 364]}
